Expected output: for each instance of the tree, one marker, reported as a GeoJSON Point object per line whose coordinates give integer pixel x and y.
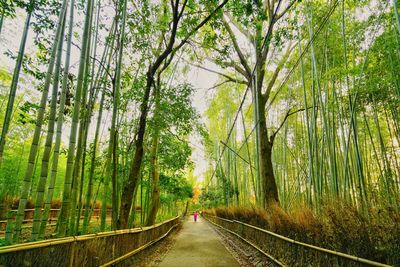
{"type": "Point", "coordinates": [259, 24]}
{"type": "Point", "coordinates": [164, 55]}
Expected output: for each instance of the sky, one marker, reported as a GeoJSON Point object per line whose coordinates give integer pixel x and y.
{"type": "Point", "coordinates": [202, 80]}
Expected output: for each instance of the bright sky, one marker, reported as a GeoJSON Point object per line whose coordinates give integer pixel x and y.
{"type": "Point", "coordinates": [202, 80]}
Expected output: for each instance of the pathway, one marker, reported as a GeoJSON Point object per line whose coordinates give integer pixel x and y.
{"type": "Point", "coordinates": [198, 245]}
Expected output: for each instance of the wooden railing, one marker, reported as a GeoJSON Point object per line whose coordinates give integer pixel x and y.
{"type": "Point", "coordinates": [284, 251]}
{"type": "Point", "coordinates": [100, 249]}
{"type": "Point", "coordinates": [28, 216]}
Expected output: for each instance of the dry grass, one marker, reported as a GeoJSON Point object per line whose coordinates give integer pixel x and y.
{"type": "Point", "coordinates": [373, 235]}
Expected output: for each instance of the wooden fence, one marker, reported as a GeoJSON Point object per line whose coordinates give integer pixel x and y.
{"type": "Point", "coordinates": [284, 251]}
{"type": "Point", "coordinates": [100, 249]}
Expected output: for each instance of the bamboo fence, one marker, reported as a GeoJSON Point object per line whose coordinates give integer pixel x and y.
{"type": "Point", "coordinates": [288, 252]}
{"type": "Point", "coordinates": [98, 249]}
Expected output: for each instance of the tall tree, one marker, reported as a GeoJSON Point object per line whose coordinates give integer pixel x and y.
{"type": "Point", "coordinates": [259, 24]}
{"type": "Point", "coordinates": [166, 54]}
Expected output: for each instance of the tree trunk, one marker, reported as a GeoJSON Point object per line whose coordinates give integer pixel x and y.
{"type": "Point", "coordinates": [130, 187]}
{"type": "Point", "coordinates": [155, 172]}
{"type": "Point", "coordinates": [270, 190]}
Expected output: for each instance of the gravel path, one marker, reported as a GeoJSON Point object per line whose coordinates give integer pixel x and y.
{"type": "Point", "coordinates": [198, 245]}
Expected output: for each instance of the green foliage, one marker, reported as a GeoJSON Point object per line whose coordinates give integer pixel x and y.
{"type": "Point", "coordinates": [176, 186]}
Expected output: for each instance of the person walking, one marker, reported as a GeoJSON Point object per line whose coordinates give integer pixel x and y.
{"type": "Point", "coordinates": [195, 216]}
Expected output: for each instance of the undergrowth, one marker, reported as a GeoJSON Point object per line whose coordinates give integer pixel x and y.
{"type": "Point", "coordinates": [373, 235]}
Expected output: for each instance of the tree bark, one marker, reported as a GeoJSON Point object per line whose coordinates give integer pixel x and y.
{"type": "Point", "coordinates": [269, 188]}
{"type": "Point", "coordinates": [155, 172]}
{"type": "Point", "coordinates": [130, 186]}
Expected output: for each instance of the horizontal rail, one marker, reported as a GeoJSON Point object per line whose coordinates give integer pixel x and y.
{"type": "Point", "coordinates": [292, 241]}
{"type": "Point", "coordinates": [104, 248]}
{"type": "Point", "coordinates": [130, 254]}
{"type": "Point", "coordinates": [70, 239]}
{"type": "Point", "coordinates": [29, 210]}
{"type": "Point", "coordinates": [248, 242]}
{"type": "Point", "coordinates": [49, 220]}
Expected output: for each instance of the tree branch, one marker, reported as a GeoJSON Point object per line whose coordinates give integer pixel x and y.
{"type": "Point", "coordinates": [231, 149]}
{"type": "Point", "coordinates": [285, 10]}
{"type": "Point", "coordinates": [169, 48]}
{"type": "Point", "coordinates": [182, 9]}
{"type": "Point", "coordinates": [277, 71]}
{"type": "Point", "coordinates": [248, 34]}
{"type": "Point", "coordinates": [288, 114]}
{"type": "Point", "coordinates": [229, 78]}
{"type": "Point", "coordinates": [201, 24]}
{"type": "Point", "coordinates": [238, 51]}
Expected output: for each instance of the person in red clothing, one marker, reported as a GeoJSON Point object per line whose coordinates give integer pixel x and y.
{"type": "Point", "coordinates": [195, 216]}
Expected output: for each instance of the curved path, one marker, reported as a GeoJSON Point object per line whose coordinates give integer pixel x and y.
{"type": "Point", "coordinates": [198, 245]}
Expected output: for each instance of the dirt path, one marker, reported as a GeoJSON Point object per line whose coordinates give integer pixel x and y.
{"type": "Point", "coordinates": [198, 245]}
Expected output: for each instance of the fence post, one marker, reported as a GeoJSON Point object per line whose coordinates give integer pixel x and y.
{"type": "Point", "coordinates": [72, 256]}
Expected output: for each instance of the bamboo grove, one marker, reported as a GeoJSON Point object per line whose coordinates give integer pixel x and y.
{"type": "Point", "coordinates": [305, 110]}
{"type": "Point", "coordinates": [116, 73]}
{"type": "Point", "coordinates": [326, 104]}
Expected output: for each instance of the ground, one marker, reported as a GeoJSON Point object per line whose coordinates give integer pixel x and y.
{"type": "Point", "coordinates": [199, 244]}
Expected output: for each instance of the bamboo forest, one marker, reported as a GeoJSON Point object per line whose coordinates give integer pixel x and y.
{"type": "Point", "coordinates": [200, 133]}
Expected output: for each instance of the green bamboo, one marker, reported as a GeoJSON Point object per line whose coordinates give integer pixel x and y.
{"type": "Point", "coordinates": [14, 84]}
{"type": "Point", "coordinates": [396, 12]}
{"type": "Point", "coordinates": [39, 121]}
{"type": "Point", "coordinates": [86, 219]}
{"type": "Point", "coordinates": [116, 100]}
{"type": "Point", "coordinates": [87, 115]}
{"type": "Point", "coordinates": [108, 157]}
{"type": "Point", "coordinates": [1, 21]}
{"type": "Point", "coordinates": [79, 164]}
{"type": "Point", "coordinates": [60, 121]}
{"type": "Point", "coordinates": [49, 140]}
{"type": "Point", "coordinates": [66, 200]}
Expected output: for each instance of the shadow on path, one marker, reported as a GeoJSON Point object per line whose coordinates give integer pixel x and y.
{"type": "Point", "coordinates": [197, 245]}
